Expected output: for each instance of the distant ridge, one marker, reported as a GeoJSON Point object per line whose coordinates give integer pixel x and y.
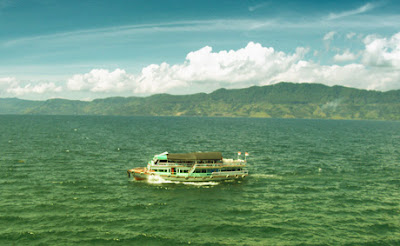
{"type": "Point", "coordinates": [283, 100]}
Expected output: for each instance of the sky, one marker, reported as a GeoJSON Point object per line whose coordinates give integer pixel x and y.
{"type": "Point", "coordinates": [87, 49]}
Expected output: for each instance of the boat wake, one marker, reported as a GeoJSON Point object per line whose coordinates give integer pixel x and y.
{"type": "Point", "coordinates": [155, 179]}
{"type": "Point", "coordinates": [265, 176]}
{"type": "Point", "coordinates": [209, 183]}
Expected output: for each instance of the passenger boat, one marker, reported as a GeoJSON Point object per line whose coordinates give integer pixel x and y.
{"type": "Point", "coordinates": [191, 167]}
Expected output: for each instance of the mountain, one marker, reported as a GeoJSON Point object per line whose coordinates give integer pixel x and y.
{"type": "Point", "coordinates": [283, 100]}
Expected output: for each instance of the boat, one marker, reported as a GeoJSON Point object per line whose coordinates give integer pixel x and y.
{"type": "Point", "coordinates": [191, 167]}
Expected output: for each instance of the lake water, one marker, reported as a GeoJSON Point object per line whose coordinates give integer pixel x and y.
{"type": "Point", "coordinates": [63, 181]}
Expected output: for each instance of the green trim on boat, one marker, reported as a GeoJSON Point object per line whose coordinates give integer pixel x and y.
{"type": "Point", "coordinates": [161, 157]}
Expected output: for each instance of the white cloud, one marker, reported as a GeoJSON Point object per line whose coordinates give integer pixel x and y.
{"type": "Point", "coordinates": [256, 64]}
{"type": "Point", "coordinates": [121, 32]}
{"type": "Point", "coordinates": [6, 82]}
{"type": "Point", "coordinates": [329, 36]}
{"type": "Point", "coordinates": [346, 56]}
{"type": "Point", "coordinates": [159, 78]}
{"type": "Point", "coordinates": [350, 35]}
{"type": "Point", "coordinates": [205, 70]}
{"type": "Point", "coordinates": [34, 89]}
{"type": "Point", "coordinates": [366, 7]}
{"type": "Point", "coordinates": [352, 75]}
{"type": "Point", "coordinates": [202, 68]}
{"type": "Point", "coordinates": [101, 80]}
{"type": "Point", "coordinates": [248, 65]}
{"type": "Point", "coordinates": [124, 33]}
{"type": "Point", "coordinates": [382, 52]}
{"type": "Point", "coordinates": [11, 86]}
{"type": "Point", "coordinates": [253, 62]}
{"type": "Point", "coordinates": [305, 71]}
{"type": "Point", "coordinates": [257, 6]}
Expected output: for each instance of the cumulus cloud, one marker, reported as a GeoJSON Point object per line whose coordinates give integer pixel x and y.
{"type": "Point", "coordinates": [7, 82]}
{"type": "Point", "coordinates": [202, 68]}
{"type": "Point", "coordinates": [101, 80]}
{"type": "Point", "coordinates": [346, 56]}
{"type": "Point", "coordinates": [160, 78]}
{"type": "Point", "coordinates": [351, 75]}
{"type": "Point", "coordinates": [10, 86]}
{"type": "Point", "coordinates": [382, 52]}
{"type": "Point", "coordinates": [254, 62]}
{"type": "Point", "coordinates": [40, 88]}
{"type": "Point", "coordinates": [306, 71]}
{"type": "Point", "coordinates": [205, 70]}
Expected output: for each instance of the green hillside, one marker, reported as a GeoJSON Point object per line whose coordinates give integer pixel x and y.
{"type": "Point", "coordinates": [283, 100]}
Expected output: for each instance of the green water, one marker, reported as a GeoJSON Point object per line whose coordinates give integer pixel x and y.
{"type": "Point", "coordinates": [63, 181]}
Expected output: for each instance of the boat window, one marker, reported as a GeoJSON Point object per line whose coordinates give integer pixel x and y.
{"type": "Point", "coordinates": [161, 170]}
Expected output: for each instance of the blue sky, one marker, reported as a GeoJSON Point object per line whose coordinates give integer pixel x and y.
{"type": "Point", "coordinates": [90, 49]}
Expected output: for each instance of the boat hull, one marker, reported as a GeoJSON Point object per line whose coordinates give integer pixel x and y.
{"type": "Point", "coordinates": [144, 174]}
{"type": "Point", "coordinates": [139, 173]}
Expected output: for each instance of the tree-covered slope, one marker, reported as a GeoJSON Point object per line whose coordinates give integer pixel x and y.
{"type": "Point", "coordinates": [283, 100]}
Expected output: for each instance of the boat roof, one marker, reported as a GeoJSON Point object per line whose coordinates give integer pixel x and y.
{"type": "Point", "coordinates": [194, 156]}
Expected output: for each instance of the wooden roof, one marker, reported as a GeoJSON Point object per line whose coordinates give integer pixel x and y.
{"type": "Point", "coordinates": [195, 156]}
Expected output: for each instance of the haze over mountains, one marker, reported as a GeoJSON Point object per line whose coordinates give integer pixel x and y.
{"type": "Point", "coordinates": [283, 100]}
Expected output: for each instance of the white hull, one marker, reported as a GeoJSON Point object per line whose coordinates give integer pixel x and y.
{"type": "Point", "coordinates": [151, 176]}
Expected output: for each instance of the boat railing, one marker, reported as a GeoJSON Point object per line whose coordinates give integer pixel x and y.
{"type": "Point", "coordinates": [230, 173]}
{"type": "Point", "coordinates": [192, 169]}
{"type": "Point", "coordinates": [209, 165]}
{"type": "Point", "coordinates": [222, 165]}
{"type": "Point", "coordinates": [162, 164]}
{"type": "Point", "coordinates": [173, 164]}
